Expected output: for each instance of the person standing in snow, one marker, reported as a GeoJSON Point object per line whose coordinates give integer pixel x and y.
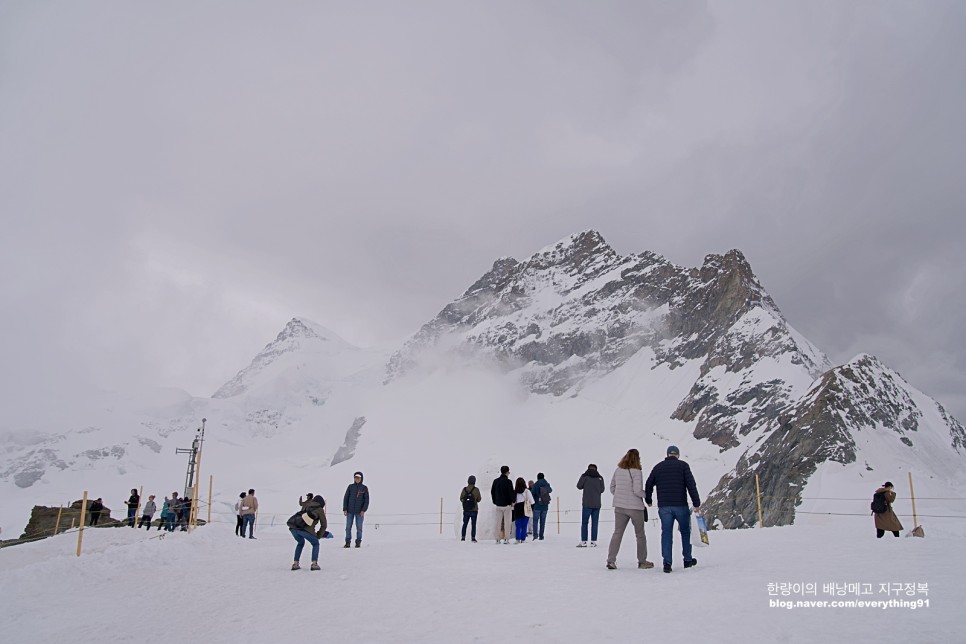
{"type": "Point", "coordinates": [302, 526]}
{"type": "Point", "coordinates": [470, 498]}
{"type": "Point", "coordinates": [249, 507]}
{"type": "Point", "coordinates": [132, 506]}
{"type": "Point", "coordinates": [541, 505]}
{"type": "Point", "coordinates": [354, 506]}
{"type": "Point", "coordinates": [503, 497]}
{"type": "Point", "coordinates": [165, 512]}
{"type": "Point", "coordinates": [149, 509]}
{"type": "Point", "coordinates": [239, 531]}
{"type": "Point", "coordinates": [674, 482]}
{"type": "Point", "coordinates": [592, 485]}
{"type": "Point", "coordinates": [627, 486]}
{"type": "Point", "coordinates": [522, 509]}
{"type": "Point", "coordinates": [887, 521]}
{"type": "Point", "coordinates": [96, 508]}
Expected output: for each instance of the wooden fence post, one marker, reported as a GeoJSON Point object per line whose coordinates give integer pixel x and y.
{"type": "Point", "coordinates": [57, 526]}
{"type": "Point", "coordinates": [138, 510]}
{"type": "Point", "coordinates": [912, 494]}
{"type": "Point", "coordinates": [80, 533]}
{"type": "Point", "coordinates": [441, 515]}
{"type": "Point", "coordinates": [211, 482]}
{"type": "Point", "coordinates": [558, 515]}
{"type": "Point", "coordinates": [758, 494]}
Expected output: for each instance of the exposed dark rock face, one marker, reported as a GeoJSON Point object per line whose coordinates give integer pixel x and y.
{"type": "Point", "coordinates": [348, 448]}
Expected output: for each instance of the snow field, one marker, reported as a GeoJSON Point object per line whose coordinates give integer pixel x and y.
{"type": "Point", "coordinates": [409, 584]}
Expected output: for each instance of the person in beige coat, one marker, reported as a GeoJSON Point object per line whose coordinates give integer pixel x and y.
{"type": "Point", "coordinates": [627, 486]}
{"type": "Point", "coordinates": [887, 521]}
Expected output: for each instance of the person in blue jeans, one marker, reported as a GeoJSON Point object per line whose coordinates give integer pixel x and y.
{"type": "Point", "coordinates": [302, 526]}
{"type": "Point", "coordinates": [541, 505]}
{"type": "Point", "coordinates": [675, 483]}
{"type": "Point", "coordinates": [354, 506]}
{"type": "Point", "coordinates": [592, 484]}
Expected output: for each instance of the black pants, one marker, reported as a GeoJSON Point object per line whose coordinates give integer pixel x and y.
{"type": "Point", "coordinates": [95, 516]}
{"type": "Point", "coordinates": [238, 526]}
{"type": "Point", "coordinates": [145, 522]}
{"type": "Point", "coordinates": [467, 517]}
{"type": "Point", "coordinates": [879, 533]}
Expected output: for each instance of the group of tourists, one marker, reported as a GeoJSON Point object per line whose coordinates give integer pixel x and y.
{"type": "Point", "coordinates": [518, 501]}
{"type": "Point", "coordinates": [175, 511]}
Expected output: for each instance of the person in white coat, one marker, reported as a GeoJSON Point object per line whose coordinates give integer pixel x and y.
{"type": "Point", "coordinates": [627, 486]}
{"type": "Point", "coordinates": [522, 509]}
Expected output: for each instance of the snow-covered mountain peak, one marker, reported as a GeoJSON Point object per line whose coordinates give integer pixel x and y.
{"type": "Point", "coordinates": [301, 338]}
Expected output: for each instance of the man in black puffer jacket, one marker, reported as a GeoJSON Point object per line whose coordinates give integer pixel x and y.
{"type": "Point", "coordinates": [674, 482]}
{"type": "Point", "coordinates": [503, 497]}
{"type": "Point", "coordinates": [354, 506]}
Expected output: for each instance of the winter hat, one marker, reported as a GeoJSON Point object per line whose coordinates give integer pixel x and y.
{"type": "Point", "coordinates": [592, 466]}
{"type": "Point", "coordinates": [359, 474]}
{"type": "Point", "coordinates": [673, 449]}
{"type": "Point", "coordinates": [471, 480]}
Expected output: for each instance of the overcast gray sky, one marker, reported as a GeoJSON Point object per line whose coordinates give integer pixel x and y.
{"type": "Point", "coordinates": [179, 179]}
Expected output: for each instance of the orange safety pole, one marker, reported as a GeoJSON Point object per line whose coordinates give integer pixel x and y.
{"type": "Point", "coordinates": [80, 533]}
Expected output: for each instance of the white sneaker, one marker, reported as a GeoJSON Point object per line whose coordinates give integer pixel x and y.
{"type": "Point", "coordinates": [582, 544]}
{"type": "Point", "coordinates": [506, 541]}
{"type": "Point", "coordinates": [593, 544]}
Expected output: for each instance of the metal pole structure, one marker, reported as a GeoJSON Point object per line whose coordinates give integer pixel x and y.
{"type": "Point", "coordinates": [912, 493]}
{"type": "Point", "coordinates": [758, 494]}
{"type": "Point", "coordinates": [57, 526]}
{"type": "Point", "coordinates": [441, 515]}
{"type": "Point", "coordinates": [80, 533]}
{"type": "Point", "coordinates": [211, 482]}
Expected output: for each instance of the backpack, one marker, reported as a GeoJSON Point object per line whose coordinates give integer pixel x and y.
{"type": "Point", "coordinates": [296, 522]}
{"type": "Point", "coordinates": [544, 495]}
{"type": "Point", "coordinates": [469, 503]}
{"type": "Point", "coordinates": [879, 503]}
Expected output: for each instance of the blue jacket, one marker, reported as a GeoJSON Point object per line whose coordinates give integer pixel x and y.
{"type": "Point", "coordinates": [541, 483]}
{"type": "Point", "coordinates": [356, 498]}
{"type": "Point", "coordinates": [674, 482]}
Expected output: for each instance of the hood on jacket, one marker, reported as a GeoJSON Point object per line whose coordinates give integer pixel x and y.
{"type": "Point", "coordinates": [359, 474]}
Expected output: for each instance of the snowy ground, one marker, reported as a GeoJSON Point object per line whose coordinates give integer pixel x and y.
{"type": "Point", "coordinates": [408, 584]}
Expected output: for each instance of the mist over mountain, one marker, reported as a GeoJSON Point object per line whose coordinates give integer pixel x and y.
{"type": "Point", "coordinates": [569, 356]}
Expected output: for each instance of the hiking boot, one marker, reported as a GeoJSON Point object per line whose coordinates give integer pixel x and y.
{"type": "Point", "coordinates": [582, 544]}
{"type": "Point", "coordinates": [645, 565]}
{"type": "Point", "coordinates": [315, 566]}
{"type": "Point", "coordinates": [346, 545]}
{"type": "Point", "coordinates": [296, 566]}
{"type": "Point", "coordinates": [690, 564]}
{"type": "Point", "coordinates": [358, 544]}
{"type": "Point", "coordinates": [667, 567]}
{"type": "Point", "coordinates": [611, 566]}
{"type": "Point", "coordinates": [474, 540]}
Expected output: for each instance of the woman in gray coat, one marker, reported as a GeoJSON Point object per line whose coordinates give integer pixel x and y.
{"type": "Point", "coordinates": [627, 486]}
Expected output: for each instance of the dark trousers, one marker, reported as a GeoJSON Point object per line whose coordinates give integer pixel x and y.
{"type": "Point", "coordinates": [880, 533]}
{"type": "Point", "coordinates": [468, 517]}
{"type": "Point", "coordinates": [238, 526]}
{"type": "Point", "coordinates": [130, 516]}
{"type": "Point", "coordinates": [593, 516]}
{"type": "Point", "coordinates": [145, 522]}
{"type": "Point", "coordinates": [95, 517]}
{"type": "Point", "coordinates": [301, 536]}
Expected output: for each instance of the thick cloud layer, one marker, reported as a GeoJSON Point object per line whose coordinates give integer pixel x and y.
{"type": "Point", "coordinates": [179, 180]}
